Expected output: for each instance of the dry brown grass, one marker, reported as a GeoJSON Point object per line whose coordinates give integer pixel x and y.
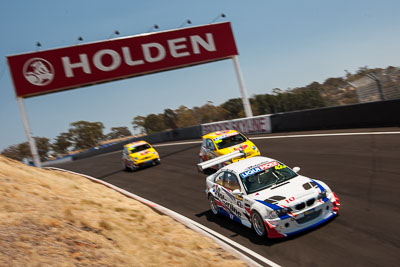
{"type": "Point", "coordinates": [51, 218]}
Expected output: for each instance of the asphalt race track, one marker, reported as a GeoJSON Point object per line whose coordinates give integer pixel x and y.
{"type": "Point", "coordinates": [364, 171]}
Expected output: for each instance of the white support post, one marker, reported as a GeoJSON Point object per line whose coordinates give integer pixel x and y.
{"type": "Point", "coordinates": [243, 92]}
{"type": "Point", "coordinates": [31, 141]}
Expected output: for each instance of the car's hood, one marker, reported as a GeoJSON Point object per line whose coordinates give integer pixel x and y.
{"type": "Point", "coordinates": [142, 154]}
{"type": "Point", "coordinates": [291, 192]}
{"type": "Point", "coordinates": [246, 146]}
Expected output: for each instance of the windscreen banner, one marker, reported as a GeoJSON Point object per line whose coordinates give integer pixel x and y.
{"type": "Point", "coordinates": [253, 125]}
{"type": "Point", "coordinates": [65, 68]}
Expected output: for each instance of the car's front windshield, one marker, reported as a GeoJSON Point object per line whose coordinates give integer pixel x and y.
{"type": "Point", "coordinates": [229, 141]}
{"type": "Point", "coordinates": [266, 178]}
{"type": "Point", "coordinates": [138, 148]}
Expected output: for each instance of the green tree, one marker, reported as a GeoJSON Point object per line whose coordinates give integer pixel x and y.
{"type": "Point", "coordinates": [139, 124]}
{"type": "Point", "coordinates": [185, 117]}
{"type": "Point", "coordinates": [234, 107]}
{"type": "Point", "coordinates": [22, 150]}
{"type": "Point", "coordinates": [118, 132]}
{"type": "Point", "coordinates": [43, 147]}
{"type": "Point", "coordinates": [61, 144]}
{"type": "Point", "coordinates": [154, 123]}
{"type": "Point", "coordinates": [170, 119]}
{"type": "Point", "coordinates": [25, 150]}
{"type": "Point", "coordinates": [12, 152]}
{"type": "Point", "coordinates": [209, 113]}
{"type": "Point", "coordinates": [84, 134]}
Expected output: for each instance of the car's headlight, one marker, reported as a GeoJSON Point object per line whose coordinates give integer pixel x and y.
{"type": "Point", "coordinates": [278, 213]}
{"type": "Point", "coordinates": [135, 158]}
{"type": "Point", "coordinates": [282, 211]}
{"type": "Point", "coordinates": [272, 215]}
{"type": "Point", "coordinates": [322, 194]}
{"type": "Point", "coordinates": [254, 148]}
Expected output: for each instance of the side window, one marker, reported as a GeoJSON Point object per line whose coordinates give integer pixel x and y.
{"type": "Point", "coordinates": [219, 179]}
{"type": "Point", "coordinates": [231, 181]}
{"type": "Point", "coordinates": [204, 143]}
{"type": "Point", "coordinates": [210, 144]}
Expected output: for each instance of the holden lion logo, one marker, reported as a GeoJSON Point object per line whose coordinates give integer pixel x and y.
{"type": "Point", "coordinates": [38, 71]}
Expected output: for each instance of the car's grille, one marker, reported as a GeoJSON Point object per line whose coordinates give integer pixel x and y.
{"type": "Point", "coordinates": [310, 202]}
{"type": "Point", "coordinates": [309, 217]}
{"type": "Point", "coordinates": [302, 205]}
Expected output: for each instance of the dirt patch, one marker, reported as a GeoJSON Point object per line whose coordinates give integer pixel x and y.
{"type": "Point", "coordinates": [59, 219]}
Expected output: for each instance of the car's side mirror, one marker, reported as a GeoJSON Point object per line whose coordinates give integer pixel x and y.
{"type": "Point", "coordinates": [237, 192]}
{"type": "Point", "coordinates": [296, 169]}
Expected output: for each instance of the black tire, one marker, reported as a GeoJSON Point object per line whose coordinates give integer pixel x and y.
{"type": "Point", "coordinates": [258, 224]}
{"type": "Point", "coordinates": [133, 168]}
{"type": "Point", "coordinates": [213, 204]}
{"type": "Point", "coordinates": [201, 160]}
{"type": "Point", "coordinates": [125, 167]}
{"type": "Point", "coordinates": [130, 168]}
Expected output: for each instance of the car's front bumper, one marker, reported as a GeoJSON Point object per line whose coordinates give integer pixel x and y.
{"type": "Point", "coordinates": [310, 218]}
{"type": "Point", "coordinates": [145, 161]}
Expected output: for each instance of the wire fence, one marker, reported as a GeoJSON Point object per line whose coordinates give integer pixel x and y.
{"type": "Point", "coordinates": [382, 86]}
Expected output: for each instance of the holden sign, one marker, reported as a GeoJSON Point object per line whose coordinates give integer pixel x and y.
{"type": "Point", "coordinates": [65, 68]}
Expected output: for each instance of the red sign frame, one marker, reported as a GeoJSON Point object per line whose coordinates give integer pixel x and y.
{"type": "Point", "coordinates": [49, 71]}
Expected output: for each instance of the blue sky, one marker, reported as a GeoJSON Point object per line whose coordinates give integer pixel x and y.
{"type": "Point", "coordinates": [284, 44]}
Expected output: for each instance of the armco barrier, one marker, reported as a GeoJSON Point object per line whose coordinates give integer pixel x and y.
{"type": "Point", "coordinates": [373, 114]}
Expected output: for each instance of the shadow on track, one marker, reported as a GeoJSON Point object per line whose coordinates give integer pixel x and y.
{"type": "Point", "coordinates": [241, 230]}
{"type": "Point", "coordinates": [110, 173]}
{"type": "Point", "coordinates": [126, 171]}
{"type": "Point", "coordinates": [178, 151]}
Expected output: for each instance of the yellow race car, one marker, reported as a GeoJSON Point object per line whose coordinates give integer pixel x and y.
{"type": "Point", "coordinates": [139, 154]}
{"type": "Point", "coordinates": [221, 143]}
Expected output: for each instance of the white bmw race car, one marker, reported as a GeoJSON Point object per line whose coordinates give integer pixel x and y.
{"type": "Point", "coordinates": [264, 194]}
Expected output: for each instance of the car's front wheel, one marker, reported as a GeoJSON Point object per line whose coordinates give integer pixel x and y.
{"type": "Point", "coordinates": [124, 166]}
{"type": "Point", "coordinates": [258, 224]}
{"type": "Point", "coordinates": [213, 204]}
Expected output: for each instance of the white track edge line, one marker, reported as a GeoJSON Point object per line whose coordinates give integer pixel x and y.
{"type": "Point", "coordinates": [221, 240]}
{"type": "Point", "coordinates": [322, 135]}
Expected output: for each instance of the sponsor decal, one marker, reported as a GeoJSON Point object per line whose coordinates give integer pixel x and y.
{"type": "Point", "coordinates": [259, 124]}
{"type": "Point", "coordinates": [230, 208]}
{"type": "Point", "coordinates": [225, 136]}
{"type": "Point", "coordinates": [258, 169]}
{"type": "Point", "coordinates": [250, 172]}
{"type": "Point", "coordinates": [242, 146]}
{"type": "Point", "coordinates": [280, 167]}
{"type": "Point", "coordinates": [221, 132]}
{"type": "Point", "coordinates": [137, 144]}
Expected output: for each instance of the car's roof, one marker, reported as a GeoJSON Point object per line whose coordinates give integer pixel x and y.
{"type": "Point", "coordinates": [244, 164]}
{"type": "Point", "coordinates": [220, 134]}
{"type": "Point", "coordinates": [136, 143]}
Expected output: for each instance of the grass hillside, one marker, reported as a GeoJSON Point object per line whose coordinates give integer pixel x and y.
{"type": "Point", "coordinates": [50, 218]}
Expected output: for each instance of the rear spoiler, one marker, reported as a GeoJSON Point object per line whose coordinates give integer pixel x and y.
{"type": "Point", "coordinates": [212, 162]}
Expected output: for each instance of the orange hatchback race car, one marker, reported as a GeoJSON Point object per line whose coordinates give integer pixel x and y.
{"type": "Point", "coordinates": [139, 154]}
{"type": "Point", "coordinates": [220, 143]}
